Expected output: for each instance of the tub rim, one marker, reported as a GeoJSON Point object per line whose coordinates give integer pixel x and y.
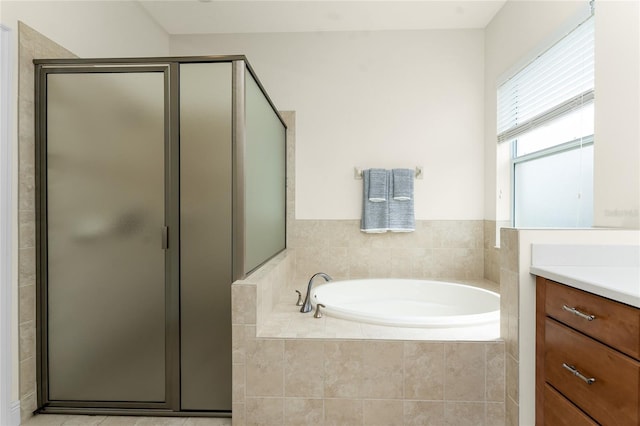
{"type": "Point", "coordinates": [434, 321]}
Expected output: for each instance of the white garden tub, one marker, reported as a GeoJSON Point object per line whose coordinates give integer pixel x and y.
{"type": "Point", "coordinates": [408, 303]}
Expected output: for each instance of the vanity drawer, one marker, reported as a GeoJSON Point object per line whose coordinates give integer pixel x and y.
{"type": "Point", "coordinates": [558, 411]}
{"type": "Point", "coordinates": [613, 398]}
{"type": "Point", "coordinates": [616, 324]}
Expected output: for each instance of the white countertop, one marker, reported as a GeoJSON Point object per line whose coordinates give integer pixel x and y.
{"type": "Point", "coordinates": [609, 271]}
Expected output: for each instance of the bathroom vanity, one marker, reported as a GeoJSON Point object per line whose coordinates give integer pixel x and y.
{"type": "Point", "coordinates": [587, 337]}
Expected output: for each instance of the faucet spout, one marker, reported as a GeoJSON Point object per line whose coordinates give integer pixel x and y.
{"type": "Point", "coordinates": [306, 306]}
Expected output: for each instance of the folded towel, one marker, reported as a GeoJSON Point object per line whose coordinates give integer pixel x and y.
{"type": "Point", "coordinates": [378, 185]}
{"type": "Point", "coordinates": [401, 216]}
{"type": "Point", "coordinates": [375, 215]}
{"type": "Point", "coordinates": [402, 184]}
{"type": "Point", "coordinates": [401, 212]}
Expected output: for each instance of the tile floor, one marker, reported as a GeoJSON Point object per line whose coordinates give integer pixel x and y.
{"type": "Point", "coordinates": [65, 420]}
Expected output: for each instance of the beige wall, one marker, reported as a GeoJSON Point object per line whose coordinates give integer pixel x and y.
{"type": "Point", "coordinates": [617, 146]}
{"type": "Point", "coordinates": [520, 31]}
{"type": "Point", "coordinates": [523, 29]}
{"type": "Point", "coordinates": [91, 28]}
{"type": "Point", "coordinates": [373, 99]}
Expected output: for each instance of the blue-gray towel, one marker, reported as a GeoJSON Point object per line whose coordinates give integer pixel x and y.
{"type": "Point", "coordinates": [378, 185]}
{"type": "Point", "coordinates": [401, 211]}
{"type": "Point", "coordinates": [402, 184]}
{"type": "Point", "coordinates": [375, 215]}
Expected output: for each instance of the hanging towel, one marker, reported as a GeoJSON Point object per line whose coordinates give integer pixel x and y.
{"type": "Point", "coordinates": [402, 184]}
{"type": "Point", "coordinates": [378, 185]}
{"type": "Point", "coordinates": [375, 215]}
{"type": "Point", "coordinates": [401, 206]}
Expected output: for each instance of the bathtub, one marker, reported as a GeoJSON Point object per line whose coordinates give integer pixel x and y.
{"type": "Point", "coordinates": [408, 303]}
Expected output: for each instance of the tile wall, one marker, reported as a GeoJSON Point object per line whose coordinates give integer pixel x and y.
{"type": "Point", "coordinates": [355, 382]}
{"type": "Point", "coordinates": [509, 323]}
{"type": "Point", "coordinates": [438, 249]}
{"type": "Point", "coordinates": [31, 45]}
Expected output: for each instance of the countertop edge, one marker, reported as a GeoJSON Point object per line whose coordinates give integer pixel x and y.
{"type": "Point", "coordinates": [579, 283]}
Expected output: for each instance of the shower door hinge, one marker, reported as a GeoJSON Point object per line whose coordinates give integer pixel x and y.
{"type": "Point", "coordinates": [165, 237]}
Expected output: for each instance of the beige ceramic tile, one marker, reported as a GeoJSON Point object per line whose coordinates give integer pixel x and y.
{"type": "Point", "coordinates": [337, 233]}
{"type": "Point", "coordinates": [26, 191]}
{"type": "Point", "coordinates": [464, 371]}
{"type": "Point", "coordinates": [27, 305]}
{"type": "Point", "coordinates": [86, 420]}
{"type": "Point", "coordinates": [27, 376]}
{"type": "Point", "coordinates": [27, 340]}
{"type": "Point", "coordinates": [45, 420]}
{"type": "Point", "coordinates": [264, 368]}
{"type": "Point", "coordinates": [509, 310]}
{"type": "Point", "coordinates": [423, 413]}
{"type": "Point", "coordinates": [383, 412]}
{"type": "Point", "coordinates": [160, 421]}
{"type": "Point", "coordinates": [382, 370]}
{"type": "Point", "coordinates": [443, 265]}
{"type": "Point", "coordinates": [509, 250]}
{"type": "Point", "coordinates": [342, 369]}
{"type": "Point", "coordinates": [27, 231]}
{"type": "Point", "coordinates": [512, 413]}
{"type": "Point", "coordinates": [27, 406]}
{"type": "Point", "coordinates": [333, 261]}
{"type": "Point", "coordinates": [243, 304]}
{"type": "Point", "coordinates": [458, 234]}
{"type": "Point", "coordinates": [238, 418]}
{"type": "Point", "coordinates": [301, 377]}
{"type": "Point", "coordinates": [408, 262]}
{"type": "Point", "coordinates": [369, 262]}
{"type": "Point", "coordinates": [303, 411]}
{"type": "Point", "coordinates": [512, 377]}
{"type": "Point", "coordinates": [424, 370]}
{"type": "Point", "coordinates": [119, 421]}
{"type": "Point", "coordinates": [238, 387]}
{"type": "Point", "coordinates": [343, 412]}
{"type": "Point", "coordinates": [495, 414]}
{"type": "Point", "coordinates": [495, 386]}
{"type": "Point", "coordinates": [238, 343]}
{"type": "Point", "coordinates": [264, 411]}
{"type": "Point", "coordinates": [26, 266]}
{"type": "Point", "coordinates": [464, 414]}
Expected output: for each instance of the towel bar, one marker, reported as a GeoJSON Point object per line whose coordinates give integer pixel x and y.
{"type": "Point", "coordinates": [357, 172]}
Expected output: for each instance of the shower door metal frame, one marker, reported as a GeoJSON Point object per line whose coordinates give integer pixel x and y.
{"type": "Point", "coordinates": [171, 68]}
{"type": "Point", "coordinates": [171, 212]}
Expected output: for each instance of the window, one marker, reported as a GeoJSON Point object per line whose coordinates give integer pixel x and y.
{"type": "Point", "coordinates": [546, 114]}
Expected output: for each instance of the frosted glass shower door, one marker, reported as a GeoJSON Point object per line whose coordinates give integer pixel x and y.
{"type": "Point", "coordinates": [265, 178]}
{"type": "Point", "coordinates": [105, 201]}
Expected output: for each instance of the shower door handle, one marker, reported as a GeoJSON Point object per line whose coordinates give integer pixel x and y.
{"type": "Point", "coordinates": [165, 238]}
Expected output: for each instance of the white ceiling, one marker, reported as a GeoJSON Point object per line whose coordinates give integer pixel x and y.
{"type": "Point", "coordinates": [264, 16]}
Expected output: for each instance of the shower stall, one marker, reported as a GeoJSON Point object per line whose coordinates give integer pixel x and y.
{"type": "Point", "coordinates": [159, 182]}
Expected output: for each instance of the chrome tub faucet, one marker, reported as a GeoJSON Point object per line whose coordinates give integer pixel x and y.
{"type": "Point", "coordinates": [306, 306]}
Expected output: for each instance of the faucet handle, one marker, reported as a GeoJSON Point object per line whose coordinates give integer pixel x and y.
{"type": "Point", "coordinates": [318, 314]}
{"type": "Point", "coordinates": [299, 302]}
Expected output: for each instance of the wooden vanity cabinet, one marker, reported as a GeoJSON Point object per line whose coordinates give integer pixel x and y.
{"type": "Point", "coordinates": [587, 358]}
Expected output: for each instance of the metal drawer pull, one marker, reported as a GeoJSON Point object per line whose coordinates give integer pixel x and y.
{"type": "Point", "coordinates": [572, 369]}
{"type": "Point", "coordinates": [578, 313]}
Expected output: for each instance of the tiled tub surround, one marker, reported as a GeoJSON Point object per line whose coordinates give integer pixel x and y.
{"type": "Point", "coordinates": [336, 372]}
{"type": "Point", "coordinates": [438, 249]}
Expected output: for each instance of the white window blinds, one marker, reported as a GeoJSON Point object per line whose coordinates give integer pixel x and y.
{"type": "Point", "coordinates": [555, 83]}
